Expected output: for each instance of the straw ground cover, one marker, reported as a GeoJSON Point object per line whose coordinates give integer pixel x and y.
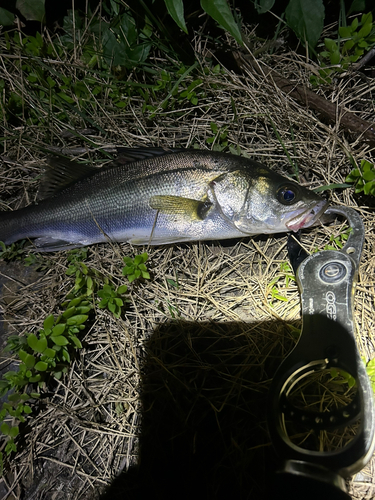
{"type": "Point", "coordinates": [186, 368]}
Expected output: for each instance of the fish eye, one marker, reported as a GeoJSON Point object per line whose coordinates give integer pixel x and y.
{"type": "Point", "coordinates": [287, 195]}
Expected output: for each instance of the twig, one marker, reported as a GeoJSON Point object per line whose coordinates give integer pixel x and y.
{"type": "Point", "coordinates": [329, 110]}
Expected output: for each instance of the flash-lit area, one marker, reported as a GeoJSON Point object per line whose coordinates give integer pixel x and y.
{"type": "Point", "coordinates": [180, 362]}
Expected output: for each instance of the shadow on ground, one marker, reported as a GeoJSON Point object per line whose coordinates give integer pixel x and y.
{"type": "Point", "coordinates": [204, 396]}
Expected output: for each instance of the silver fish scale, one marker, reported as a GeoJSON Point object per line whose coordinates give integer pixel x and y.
{"type": "Point", "coordinates": [114, 203]}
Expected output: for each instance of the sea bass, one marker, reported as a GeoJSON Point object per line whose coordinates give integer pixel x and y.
{"type": "Point", "coordinates": [155, 196]}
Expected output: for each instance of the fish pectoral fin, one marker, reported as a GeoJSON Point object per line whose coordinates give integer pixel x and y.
{"type": "Point", "coordinates": [177, 205]}
{"type": "Point", "coordinates": [48, 244]}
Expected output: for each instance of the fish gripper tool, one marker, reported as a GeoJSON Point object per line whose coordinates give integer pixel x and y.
{"type": "Point", "coordinates": [326, 346]}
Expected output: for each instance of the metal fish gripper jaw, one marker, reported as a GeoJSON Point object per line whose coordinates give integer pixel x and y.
{"type": "Point", "coordinates": [321, 414]}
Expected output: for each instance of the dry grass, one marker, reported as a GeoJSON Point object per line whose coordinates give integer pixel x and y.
{"type": "Point", "coordinates": [190, 361]}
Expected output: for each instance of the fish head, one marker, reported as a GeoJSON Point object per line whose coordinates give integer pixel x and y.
{"type": "Point", "coordinates": [266, 203]}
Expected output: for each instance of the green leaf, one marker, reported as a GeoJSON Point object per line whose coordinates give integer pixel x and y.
{"type": "Point", "coordinates": [78, 319]}
{"type": "Point", "coordinates": [48, 322]}
{"type": "Point", "coordinates": [4, 428]}
{"type": "Point", "coordinates": [66, 355]}
{"type": "Point", "coordinates": [369, 175]}
{"type": "Point", "coordinates": [32, 341]}
{"type": "Point", "coordinates": [330, 44]}
{"type": "Point", "coordinates": [263, 6]}
{"type": "Point", "coordinates": [69, 312]}
{"type": "Point", "coordinates": [61, 340]}
{"type": "Point", "coordinates": [306, 18]}
{"type": "Point", "coordinates": [22, 354]}
{"type": "Point", "coordinates": [176, 11]}
{"type": "Point", "coordinates": [41, 345]}
{"type": "Point", "coordinates": [35, 344]}
{"type": "Point", "coordinates": [369, 187]}
{"type": "Point", "coordinates": [75, 302]}
{"type": "Point", "coordinates": [220, 11]}
{"type": "Point", "coordinates": [14, 431]}
{"type": "Point", "coordinates": [365, 30]}
{"type": "Point", "coordinates": [348, 45]}
{"type": "Point", "coordinates": [6, 17]}
{"type": "Point", "coordinates": [366, 19]}
{"type": "Point", "coordinates": [27, 409]}
{"type": "Point", "coordinates": [50, 353]}
{"type": "Point", "coordinates": [65, 97]}
{"type": "Point", "coordinates": [335, 57]}
{"type": "Point", "coordinates": [83, 309]}
{"type": "Point", "coordinates": [357, 6]}
{"type": "Point", "coordinates": [32, 10]}
{"type": "Point", "coordinates": [112, 307]}
{"type": "Point", "coordinates": [103, 303]}
{"type": "Point", "coordinates": [138, 260]}
{"type": "Point", "coordinates": [41, 366]}
{"type": "Point", "coordinates": [14, 397]}
{"type": "Point", "coordinates": [10, 446]}
{"type": "Point", "coordinates": [345, 32]}
{"type": "Point", "coordinates": [354, 24]}
{"type": "Point", "coordinates": [76, 341]}
{"type": "Point", "coordinates": [127, 270]}
{"type": "Point", "coordinates": [330, 186]}
{"type": "Point", "coordinates": [29, 361]}
{"type": "Point", "coordinates": [122, 289]}
{"type": "Point", "coordinates": [59, 329]}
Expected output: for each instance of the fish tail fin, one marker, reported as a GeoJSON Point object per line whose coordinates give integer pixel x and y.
{"type": "Point", "coordinates": [9, 227]}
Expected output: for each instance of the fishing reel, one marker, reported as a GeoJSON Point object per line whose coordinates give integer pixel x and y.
{"type": "Point", "coordinates": [321, 413]}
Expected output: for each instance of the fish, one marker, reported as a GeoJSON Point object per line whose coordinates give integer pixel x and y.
{"type": "Point", "coordinates": [154, 196]}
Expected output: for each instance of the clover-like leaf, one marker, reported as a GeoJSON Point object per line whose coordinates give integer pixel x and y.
{"type": "Point", "coordinates": [41, 366]}
{"type": "Point", "coordinates": [78, 319]}
{"type": "Point", "coordinates": [76, 341]}
{"type": "Point", "coordinates": [14, 431]}
{"type": "Point", "coordinates": [61, 340]}
{"type": "Point", "coordinates": [122, 289]}
{"type": "Point", "coordinates": [5, 428]}
{"type": "Point", "coordinates": [49, 322]}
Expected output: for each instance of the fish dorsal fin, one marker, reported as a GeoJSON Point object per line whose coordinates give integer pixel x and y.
{"type": "Point", "coordinates": [128, 155]}
{"type": "Point", "coordinates": [60, 174]}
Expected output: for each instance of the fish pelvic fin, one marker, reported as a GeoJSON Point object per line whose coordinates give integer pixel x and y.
{"type": "Point", "coordinates": [60, 174]}
{"type": "Point", "coordinates": [177, 205]}
{"type": "Point", "coordinates": [160, 240]}
{"type": "Point", "coordinates": [48, 244]}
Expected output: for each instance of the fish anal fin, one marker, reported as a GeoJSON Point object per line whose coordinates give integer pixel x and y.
{"type": "Point", "coordinates": [177, 205]}
{"type": "Point", "coordinates": [48, 244]}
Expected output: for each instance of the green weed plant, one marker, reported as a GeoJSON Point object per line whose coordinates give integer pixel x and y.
{"type": "Point", "coordinates": [287, 275]}
{"type": "Point", "coordinates": [47, 354]}
{"type": "Point", "coordinates": [363, 178]}
{"type": "Point", "coordinates": [136, 268]}
{"type": "Point", "coordinates": [352, 43]}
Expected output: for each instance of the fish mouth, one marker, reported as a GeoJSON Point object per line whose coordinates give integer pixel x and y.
{"type": "Point", "coordinates": [307, 217]}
